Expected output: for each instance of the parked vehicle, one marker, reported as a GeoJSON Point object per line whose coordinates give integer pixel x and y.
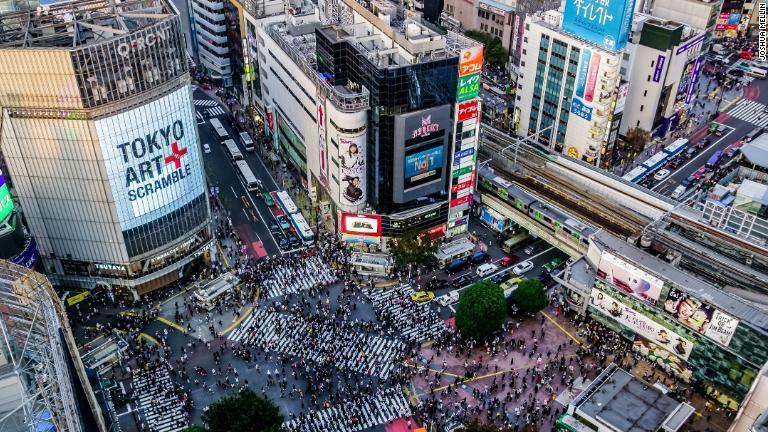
{"type": "Point", "coordinates": [754, 133]}
{"type": "Point", "coordinates": [486, 269]}
{"type": "Point", "coordinates": [523, 267]}
{"type": "Point", "coordinates": [552, 265]}
{"type": "Point", "coordinates": [714, 160]}
{"type": "Point", "coordinates": [448, 299]}
{"type": "Point", "coordinates": [479, 257]}
{"type": "Point", "coordinates": [456, 265]}
{"type": "Point", "coordinates": [509, 260]}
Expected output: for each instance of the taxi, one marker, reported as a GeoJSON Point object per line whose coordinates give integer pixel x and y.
{"type": "Point", "coordinates": [422, 296]}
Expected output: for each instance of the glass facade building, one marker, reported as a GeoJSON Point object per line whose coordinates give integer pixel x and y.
{"type": "Point", "coordinates": [101, 141]}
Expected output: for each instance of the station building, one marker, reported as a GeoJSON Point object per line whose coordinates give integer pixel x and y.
{"type": "Point", "coordinates": [98, 131]}
{"type": "Point", "coordinates": [696, 332]}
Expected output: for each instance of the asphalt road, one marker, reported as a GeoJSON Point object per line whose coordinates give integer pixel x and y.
{"type": "Point", "coordinates": [246, 209]}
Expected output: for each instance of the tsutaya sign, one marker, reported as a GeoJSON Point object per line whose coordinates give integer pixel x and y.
{"type": "Point", "coordinates": [466, 125]}
{"type": "Point", "coordinates": [139, 43]}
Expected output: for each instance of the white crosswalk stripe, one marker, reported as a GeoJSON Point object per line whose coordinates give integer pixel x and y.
{"type": "Point", "coordinates": [354, 415]}
{"type": "Point", "coordinates": [205, 103]}
{"type": "Point", "coordinates": [157, 403]}
{"type": "Point", "coordinates": [309, 273]}
{"type": "Point", "coordinates": [200, 118]}
{"type": "Point", "coordinates": [750, 111]}
{"type": "Point", "coordinates": [326, 344]}
{"type": "Point", "coordinates": [215, 111]}
{"type": "Point", "coordinates": [414, 321]}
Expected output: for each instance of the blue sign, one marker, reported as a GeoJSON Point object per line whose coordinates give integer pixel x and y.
{"type": "Point", "coordinates": [605, 23]}
{"type": "Point", "coordinates": [580, 109]}
{"type": "Point", "coordinates": [691, 43]}
{"type": "Point", "coordinates": [422, 163]}
{"type": "Point", "coordinates": [734, 18]}
{"type": "Point", "coordinates": [29, 256]}
{"type": "Point", "coordinates": [462, 154]}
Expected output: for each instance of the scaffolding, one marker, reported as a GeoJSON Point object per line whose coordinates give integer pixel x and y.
{"type": "Point", "coordinates": [38, 391]}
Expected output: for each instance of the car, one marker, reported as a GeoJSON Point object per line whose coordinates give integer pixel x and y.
{"type": "Point", "coordinates": [661, 174]}
{"type": "Point", "coordinates": [678, 192]}
{"type": "Point", "coordinates": [268, 199]}
{"type": "Point", "coordinates": [532, 249]}
{"type": "Point", "coordinates": [282, 242]}
{"type": "Point", "coordinates": [463, 280]}
{"type": "Point", "coordinates": [523, 267]}
{"type": "Point", "coordinates": [456, 265]}
{"type": "Point", "coordinates": [699, 173]}
{"type": "Point", "coordinates": [283, 222]}
{"type": "Point", "coordinates": [746, 54]}
{"type": "Point", "coordinates": [688, 181]}
{"type": "Point", "coordinates": [721, 130]}
{"type": "Point", "coordinates": [511, 282]}
{"type": "Point", "coordinates": [486, 269]}
{"type": "Point", "coordinates": [293, 241]}
{"type": "Point", "coordinates": [479, 257]}
{"type": "Point", "coordinates": [508, 260]}
{"type": "Point", "coordinates": [206, 148]}
{"type": "Point", "coordinates": [448, 299]}
{"type": "Point", "coordinates": [274, 228]}
{"type": "Point", "coordinates": [703, 143]}
{"type": "Point", "coordinates": [422, 296]}
{"type": "Point", "coordinates": [437, 284]}
{"type": "Point", "coordinates": [501, 277]}
{"type": "Point", "coordinates": [691, 152]}
{"type": "Point", "coordinates": [552, 265]}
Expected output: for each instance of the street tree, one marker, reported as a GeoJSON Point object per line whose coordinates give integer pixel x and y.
{"type": "Point", "coordinates": [243, 411]}
{"type": "Point", "coordinates": [481, 310]}
{"type": "Point", "coordinates": [413, 248]}
{"type": "Point", "coordinates": [637, 139]}
{"type": "Point", "coordinates": [529, 296]}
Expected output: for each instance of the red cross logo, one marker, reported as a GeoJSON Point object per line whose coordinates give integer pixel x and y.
{"type": "Point", "coordinates": [176, 154]}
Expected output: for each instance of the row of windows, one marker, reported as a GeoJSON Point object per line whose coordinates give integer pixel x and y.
{"type": "Point", "coordinates": [293, 94]}
{"type": "Point", "coordinates": [300, 86]}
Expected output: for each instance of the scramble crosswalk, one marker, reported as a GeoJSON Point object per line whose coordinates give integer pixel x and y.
{"type": "Point", "coordinates": [750, 111]}
{"type": "Point", "coordinates": [157, 402]}
{"type": "Point", "coordinates": [414, 321]}
{"type": "Point", "coordinates": [323, 343]}
{"type": "Point", "coordinates": [205, 103]}
{"type": "Point", "coordinates": [354, 415]}
{"type": "Point", "coordinates": [309, 273]}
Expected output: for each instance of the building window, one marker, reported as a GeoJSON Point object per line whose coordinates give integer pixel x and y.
{"type": "Point", "coordinates": [641, 107]}
{"type": "Point", "coordinates": [524, 51]}
{"type": "Point", "coordinates": [649, 78]}
{"type": "Point", "coordinates": [525, 38]}
{"type": "Point", "coordinates": [522, 64]}
{"type": "Point", "coordinates": [645, 93]}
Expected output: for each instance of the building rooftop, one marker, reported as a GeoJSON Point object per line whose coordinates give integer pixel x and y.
{"type": "Point", "coordinates": [729, 303]}
{"type": "Point", "coordinates": [77, 23]}
{"type": "Point", "coordinates": [623, 403]}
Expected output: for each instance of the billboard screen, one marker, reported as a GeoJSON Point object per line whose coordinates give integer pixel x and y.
{"type": "Point", "coordinates": [700, 316]}
{"type": "Point", "coordinates": [361, 224]}
{"type": "Point", "coordinates": [468, 110]}
{"type": "Point", "coordinates": [6, 202]}
{"type": "Point", "coordinates": [605, 23]}
{"type": "Point", "coordinates": [471, 61]}
{"type": "Point", "coordinates": [352, 167]}
{"type": "Point", "coordinates": [423, 166]}
{"type": "Point", "coordinates": [641, 324]}
{"type": "Point", "coordinates": [629, 278]}
{"type": "Point", "coordinates": [152, 155]}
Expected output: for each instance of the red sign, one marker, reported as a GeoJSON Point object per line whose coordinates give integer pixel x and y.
{"type": "Point", "coordinates": [719, 27]}
{"type": "Point", "coordinates": [468, 110]}
{"type": "Point", "coordinates": [270, 120]}
{"type": "Point", "coordinates": [594, 65]}
{"type": "Point", "coordinates": [725, 15]}
{"type": "Point", "coordinates": [361, 224]}
{"type": "Point", "coordinates": [461, 200]}
{"type": "Point", "coordinates": [461, 186]}
{"type": "Point", "coordinates": [733, 27]}
{"type": "Point", "coordinates": [471, 61]}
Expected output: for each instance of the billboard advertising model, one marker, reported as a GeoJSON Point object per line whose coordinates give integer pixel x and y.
{"type": "Point", "coordinates": [605, 23]}
{"type": "Point", "coordinates": [352, 167]}
{"type": "Point", "coordinates": [641, 324]}
{"type": "Point", "coordinates": [6, 202]}
{"type": "Point", "coordinates": [700, 316]}
{"type": "Point", "coordinates": [152, 156]}
{"type": "Point", "coordinates": [629, 278]}
{"type": "Point", "coordinates": [361, 224]}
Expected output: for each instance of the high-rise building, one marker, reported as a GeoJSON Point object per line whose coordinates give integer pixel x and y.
{"type": "Point", "coordinates": [699, 14]}
{"type": "Point", "coordinates": [100, 139]}
{"type": "Point", "coordinates": [211, 41]}
{"type": "Point", "coordinates": [363, 102]}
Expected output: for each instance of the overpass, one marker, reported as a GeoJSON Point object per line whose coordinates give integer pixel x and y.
{"type": "Point", "coordinates": [686, 235]}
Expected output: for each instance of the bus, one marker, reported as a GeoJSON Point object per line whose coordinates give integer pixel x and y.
{"type": "Point", "coordinates": [302, 228]}
{"type": "Point", "coordinates": [637, 174]}
{"type": "Point", "coordinates": [246, 176]}
{"type": "Point", "coordinates": [232, 151]}
{"type": "Point", "coordinates": [757, 73]}
{"type": "Point", "coordinates": [210, 294]}
{"type": "Point", "coordinates": [247, 141]}
{"type": "Point", "coordinates": [676, 147]}
{"type": "Point", "coordinates": [286, 202]}
{"type": "Point", "coordinates": [714, 159]}
{"type": "Point", "coordinates": [217, 126]}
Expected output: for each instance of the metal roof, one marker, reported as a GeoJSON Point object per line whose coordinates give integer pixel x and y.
{"type": "Point", "coordinates": [502, 6]}
{"type": "Point", "coordinates": [757, 150]}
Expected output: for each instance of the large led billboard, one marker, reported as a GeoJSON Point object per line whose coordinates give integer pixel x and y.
{"type": "Point", "coordinates": [153, 158]}
{"type": "Point", "coordinates": [630, 279]}
{"type": "Point", "coordinates": [605, 23]}
{"type": "Point", "coordinates": [6, 202]}
{"type": "Point", "coordinates": [423, 166]}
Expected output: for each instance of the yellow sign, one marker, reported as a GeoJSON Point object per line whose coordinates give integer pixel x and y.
{"type": "Point", "coordinates": [572, 152]}
{"type": "Point", "coordinates": [75, 299]}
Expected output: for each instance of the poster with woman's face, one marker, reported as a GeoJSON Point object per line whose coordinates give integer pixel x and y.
{"type": "Point", "coordinates": [352, 169]}
{"type": "Point", "coordinates": [700, 316]}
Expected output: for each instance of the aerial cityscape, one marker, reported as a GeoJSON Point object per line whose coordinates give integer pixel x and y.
{"type": "Point", "coordinates": [383, 215]}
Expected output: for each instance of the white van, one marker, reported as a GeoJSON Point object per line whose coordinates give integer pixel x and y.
{"type": "Point", "coordinates": [678, 192]}
{"type": "Point", "coordinates": [449, 299]}
{"type": "Point", "coordinates": [487, 269]}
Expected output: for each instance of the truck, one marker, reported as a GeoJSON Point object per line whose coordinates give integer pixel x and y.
{"type": "Point", "coordinates": [515, 240]}
{"type": "Point", "coordinates": [719, 48]}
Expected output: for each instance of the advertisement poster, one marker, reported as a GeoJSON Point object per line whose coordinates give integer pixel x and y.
{"type": "Point", "coordinates": [468, 87]}
{"type": "Point", "coordinates": [321, 133]}
{"type": "Point", "coordinates": [641, 324]}
{"type": "Point", "coordinates": [468, 110]}
{"type": "Point", "coordinates": [581, 76]}
{"type": "Point", "coordinates": [361, 224]}
{"type": "Point", "coordinates": [630, 279]}
{"type": "Point", "coordinates": [581, 109]}
{"type": "Point", "coordinates": [700, 316]}
{"type": "Point", "coordinates": [594, 66]}
{"type": "Point", "coordinates": [352, 167]}
{"type": "Point", "coordinates": [668, 362]}
{"type": "Point", "coordinates": [694, 80]}
{"type": "Point", "coordinates": [471, 61]}
{"type": "Point", "coordinates": [605, 23]}
{"type": "Point", "coordinates": [423, 166]}
{"type": "Point", "coordinates": [6, 202]}
{"type": "Point", "coordinates": [152, 156]}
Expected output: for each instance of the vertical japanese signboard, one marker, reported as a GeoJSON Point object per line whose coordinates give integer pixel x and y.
{"type": "Point", "coordinates": [605, 23]}
{"type": "Point", "coordinates": [465, 136]}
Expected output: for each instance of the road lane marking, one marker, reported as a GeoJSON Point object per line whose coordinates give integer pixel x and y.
{"type": "Point", "coordinates": [237, 322]}
{"type": "Point", "coordinates": [170, 323]}
{"type": "Point", "coordinates": [246, 215]}
{"type": "Point", "coordinates": [561, 328]}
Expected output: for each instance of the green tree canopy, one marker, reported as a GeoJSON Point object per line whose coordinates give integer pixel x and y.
{"type": "Point", "coordinates": [412, 248]}
{"type": "Point", "coordinates": [481, 310]}
{"type": "Point", "coordinates": [494, 50]}
{"type": "Point", "coordinates": [636, 140]}
{"type": "Point", "coordinates": [243, 411]}
{"type": "Point", "coordinates": [529, 296]}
